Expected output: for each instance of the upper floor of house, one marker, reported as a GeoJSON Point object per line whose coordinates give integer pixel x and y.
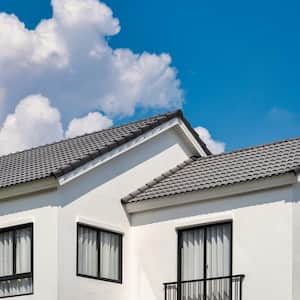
{"type": "Point", "coordinates": [145, 211]}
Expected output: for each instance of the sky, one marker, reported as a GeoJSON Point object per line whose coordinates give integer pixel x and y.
{"type": "Point", "coordinates": [233, 67]}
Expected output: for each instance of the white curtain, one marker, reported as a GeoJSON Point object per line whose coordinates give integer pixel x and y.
{"type": "Point", "coordinates": [23, 262]}
{"type": "Point", "coordinates": [109, 255]}
{"type": "Point", "coordinates": [218, 246]}
{"type": "Point", "coordinates": [6, 254]}
{"type": "Point", "coordinates": [218, 261]}
{"type": "Point", "coordinates": [16, 287]}
{"type": "Point", "coordinates": [23, 251]}
{"type": "Point", "coordinates": [192, 254]}
{"type": "Point", "coordinates": [218, 251]}
{"type": "Point", "coordinates": [192, 257]}
{"type": "Point", "coordinates": [87, 252]}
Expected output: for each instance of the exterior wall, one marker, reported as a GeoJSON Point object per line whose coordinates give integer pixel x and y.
{"type": "Point", "coordinates": [262, 243]}
{"type": "Point", "coordinates": [95, 198]}
{"type": "Point", "coordinates": [266, 245]}
{"type": "Point", "coordinates": [296, 241]}
{"type": "Point", "coordinates": [42, 210]}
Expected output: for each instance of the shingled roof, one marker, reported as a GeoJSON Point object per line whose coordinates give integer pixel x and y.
{"type": "Point", "coordinates": [61, 157]}
{"type": "Point", "coordinates": [202, 173]}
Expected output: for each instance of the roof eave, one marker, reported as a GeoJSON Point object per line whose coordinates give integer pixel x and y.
{"type": "Point", "coordinates": [220, 192]}
{"type": "Point", "coordinates": [29, 188]}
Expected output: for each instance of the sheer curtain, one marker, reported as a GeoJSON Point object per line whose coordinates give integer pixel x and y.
{"type": "Point", "coordinates": [6, 254]}
{"type": "Point", "coordinates": [87, 252]}
{"type": "Point", "coordinates": [217, 264]}
{"type": "Point", "coordinates": [218, 261]}
{"type": "Point", "coordinates": [192, 254]}
{"type": "Point", "coordinates": [99, 253]}
{"type": "Point", "coordinates": [23, 251]}
{"type": "Point", "coordinates": [22, 243]}
{"type": "Point", "coordinates": [109, 255]}
{"type": "Point", "coordinates": [192, 262]}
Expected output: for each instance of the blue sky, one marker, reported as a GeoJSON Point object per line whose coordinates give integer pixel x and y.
{"type": "Point", "coordinates": [238, 62]}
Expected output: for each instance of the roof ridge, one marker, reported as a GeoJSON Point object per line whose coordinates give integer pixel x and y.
{"type": "Point", "coordinates": [158, 179]}
{"type": "Point", "coordinates": [169, 114]}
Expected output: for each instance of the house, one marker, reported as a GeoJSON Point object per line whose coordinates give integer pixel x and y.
{"type": "Point", "coordinates": [145, 211]}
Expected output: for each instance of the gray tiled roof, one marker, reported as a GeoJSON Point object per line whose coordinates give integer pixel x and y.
{"type": "Point", "coordinates": [61, 157]}
{"type": "Point", "coordinates": [203, 173]}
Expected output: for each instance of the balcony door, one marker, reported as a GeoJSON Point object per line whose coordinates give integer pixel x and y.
{"type": "Point", "coordinates": [205, 262]}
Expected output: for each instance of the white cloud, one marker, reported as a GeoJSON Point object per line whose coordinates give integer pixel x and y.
{"type": "Point", "coordinates": [94, 121]}
{"type": "Point", "coordinates": [33, 122]}
{"type": "Point", "coordinates": [214, 146]}
{"type": "Point", "coordinates": [68, 59]}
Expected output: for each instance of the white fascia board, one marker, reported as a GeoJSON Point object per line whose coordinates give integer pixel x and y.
{"type": "Point", "coordinates": [175, 122]}
{"type": "Point", "coordinates": [212, 193]}
{"type": "Point", "coordinates": [191, 138]}
{"type": "Point", "coordinates": [28, 188]}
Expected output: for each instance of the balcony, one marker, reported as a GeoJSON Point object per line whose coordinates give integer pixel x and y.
{"type": "Point", "coordinates": [218, 288]}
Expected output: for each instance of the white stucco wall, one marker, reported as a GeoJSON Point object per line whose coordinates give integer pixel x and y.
{"type": "Point", "coordinates": [262, 243]}
{"type": "Point", "coordinates": [265, 227]}
{"type": "Point", "coordinates": [42, 211]}
{"type": "Point", "coordinates": [95, 197]}
{"type": "Point", "coordinates": [296, 241]}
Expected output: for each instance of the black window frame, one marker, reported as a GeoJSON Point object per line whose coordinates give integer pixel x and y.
{"type": "Point", "coordinates": [99, 231]}
{"type": "Point", "coordinates": [204, 227]}
{"type": "Point", "coordinates": [16, 276]}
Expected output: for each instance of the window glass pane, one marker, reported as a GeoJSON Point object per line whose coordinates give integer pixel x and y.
{"type": "Point", "coordinates": [20, 240]}
{"type": "Point", "coordinates": [87, 252]}
{"type": "Point", "coordinates": [23, 251]}
{"type": "Point", "coordinates": [110, 255]}
{"type": "Point", "coordinates": [15, 287]}
{"type": "Point", "coordinates": [218, 250]}
{"type": "Point", "coordinates": [6, 254]}
{"type": "Point", "coordinates": [192, 254]}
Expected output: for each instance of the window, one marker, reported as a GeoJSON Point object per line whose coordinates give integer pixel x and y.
{"type": "Point", "coordinates": [99, 254]}
{"type": "Point", "coordinates": [16, 261]}
{"type": "Point", "coordinates": [205, 252]}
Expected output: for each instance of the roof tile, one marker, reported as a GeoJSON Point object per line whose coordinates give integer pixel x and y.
{"type": "Point", "coordinates": [61, 157]}
{"type": "Point", "coordinates": [200, 173]}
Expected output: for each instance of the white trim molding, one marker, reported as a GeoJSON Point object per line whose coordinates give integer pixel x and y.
{"type": "Point", "coordinates": [175, 122]}
{"type": "Point", "coordinates": [212, 193]}
{"type": "Point", "coordinates": [99, 225]}
{"type": "Point", "coordinates": [28, 188]}
{"type": "Point", "coordinates": [205, 220]}
{"type": "Point", "coordinates": [17, 222]}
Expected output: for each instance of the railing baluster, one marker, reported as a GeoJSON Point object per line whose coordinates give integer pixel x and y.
{"type": "Point", "coordinates": [218, 288]}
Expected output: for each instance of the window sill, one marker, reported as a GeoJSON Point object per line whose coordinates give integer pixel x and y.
{"type": "Point", "coordinates": [100, 279]}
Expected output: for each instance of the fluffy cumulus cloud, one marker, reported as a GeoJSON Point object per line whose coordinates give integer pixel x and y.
{"type": "Point", "coordinates": [214, 146]}
{"type": "Point", "coordinates": [33, 122]}
{"type": "Point", "coordinates": [94, 121]}
{"type": "Point", "coordinates": [68, 60]}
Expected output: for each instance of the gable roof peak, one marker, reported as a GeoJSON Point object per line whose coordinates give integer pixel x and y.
{"type": "Point", "coordinates": [61, 157]}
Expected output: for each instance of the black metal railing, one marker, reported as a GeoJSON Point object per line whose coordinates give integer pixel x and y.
{"type": "Point", "coordinates": [217, 288]}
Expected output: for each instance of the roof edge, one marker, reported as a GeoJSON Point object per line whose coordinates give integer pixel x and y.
{"type": "Point", "coordinates": [235, 189]}
{"type": "Point", "coordinates": [132, 195]}
{"type": "Point", "coordinates": [28, 188]}
{"type": "Point", "coordinates": [168, 116]}
{"type": "Point", "coordinates": [193, 132]}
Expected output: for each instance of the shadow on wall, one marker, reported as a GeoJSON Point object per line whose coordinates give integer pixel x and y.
{"type": "Point", "coordinates": [203, 208]}
{"type": "Point", "coordinates": [117, 167]}
{"type": "Point", "coordinates": [91, 180]}
{"type": "Point", "coordinates": [29, 202]}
